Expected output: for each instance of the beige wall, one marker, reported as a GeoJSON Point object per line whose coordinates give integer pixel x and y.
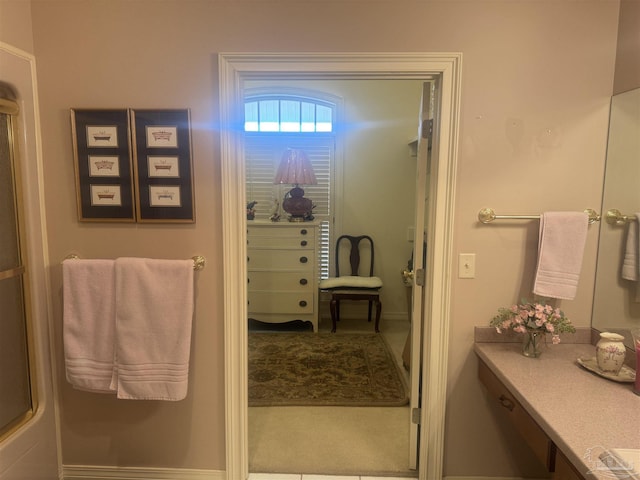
{"type": "Point", "coordinates": [537, 77]}
{"type": "Point", "coordinates": [627, 72]}
{"type": "Point", "coordinates": [15, 25]}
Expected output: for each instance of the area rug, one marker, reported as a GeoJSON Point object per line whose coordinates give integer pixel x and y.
{"type": "Point", "coordinates": [349, 369]}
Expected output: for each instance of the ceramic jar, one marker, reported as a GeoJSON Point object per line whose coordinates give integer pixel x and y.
{"type": "Point", "coordinates": [610, 352]}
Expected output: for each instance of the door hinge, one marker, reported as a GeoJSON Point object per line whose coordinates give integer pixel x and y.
{"type": "Point", "coordinates": [427, 129]}
{"type": "Point", "coordinates": [416, 413]}
{"type": "Point", "coordinates": [418, 277]}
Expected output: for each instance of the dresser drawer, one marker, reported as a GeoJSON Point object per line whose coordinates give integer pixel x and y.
{"type": "Point", "coordinates": [274, 260]}
{"type": "Point", "coordinates": [281, 302]}
{"type": "Point", "coordinates": [265, 280]}
{"type": "Point", "coordinates": [292, 243]}
{"type": "Point", "coordinates": [281, 230]}
{"type": "Point", "coordinates": [534, 436]}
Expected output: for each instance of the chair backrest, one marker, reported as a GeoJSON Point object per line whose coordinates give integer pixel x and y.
{"type": "Point", "coordinates": [358, 246]}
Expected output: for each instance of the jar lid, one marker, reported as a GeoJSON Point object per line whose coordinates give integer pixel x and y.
{"type": "Point", "coordinates": [611, 336]}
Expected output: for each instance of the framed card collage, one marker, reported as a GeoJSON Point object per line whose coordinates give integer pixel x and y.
{"type": "Point", "coordinates": [133, 165]}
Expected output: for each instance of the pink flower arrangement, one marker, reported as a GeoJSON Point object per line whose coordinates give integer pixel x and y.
{"type": "Point", "coordinates": [529, 316]}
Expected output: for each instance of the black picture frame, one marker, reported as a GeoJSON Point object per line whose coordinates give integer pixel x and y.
{"type": "Point", "coordinates": [163, 168]}
{"type": "Point", "coordinates": [103, 165]}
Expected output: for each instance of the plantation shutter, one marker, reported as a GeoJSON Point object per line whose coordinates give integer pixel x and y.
{"type": "Point", "coordinates": [262, 156]}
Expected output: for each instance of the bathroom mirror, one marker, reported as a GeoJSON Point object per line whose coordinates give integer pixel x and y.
{"type": "Point", "coordinates": [616, 301]}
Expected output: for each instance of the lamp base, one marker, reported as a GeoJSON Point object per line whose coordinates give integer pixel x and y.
{"type": "Point", "coordinates": [298, 207]}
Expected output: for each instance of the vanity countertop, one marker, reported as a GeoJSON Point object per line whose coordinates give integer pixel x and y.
{"type": "Point", "coordinates": [584, 414]}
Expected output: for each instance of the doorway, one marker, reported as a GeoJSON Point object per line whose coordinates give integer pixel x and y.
{"type": "Point", "coordinates": [234, 69]}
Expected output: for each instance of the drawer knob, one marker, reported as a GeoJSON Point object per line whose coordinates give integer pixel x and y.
{"type": "Point", "coordinates": [303, 231]}
{"type": "Point", "coordinates": [506, 403]}
{"type": "Point", "coordinates": [303, 243]}
{"type": "Point", "coordinates": [302, 303]}
{"type": "Point", "coordinates": [304, 259]}
{"type": "Point", "coordinates": [303, 281]}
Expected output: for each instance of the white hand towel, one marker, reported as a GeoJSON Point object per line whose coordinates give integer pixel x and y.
{"type": "Point", "coordinates": [630, 262]}
{"type": "Point", "coordinates": [154, 310]}
{"type": "Point", "coordinates": [88, 289]}
{"type": "Point", "coordinates": [560, 250]}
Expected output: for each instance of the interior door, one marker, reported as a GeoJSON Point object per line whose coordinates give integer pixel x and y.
{"type": "Point", "coordinates": [419, 257]}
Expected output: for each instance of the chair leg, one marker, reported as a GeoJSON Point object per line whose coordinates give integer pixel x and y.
{"type": "Point", "coordinates": [369, 311]}
{"type": "Point", "coordinates": [378, 310]}
{"type": "Point", "coordinates": [333, 307]}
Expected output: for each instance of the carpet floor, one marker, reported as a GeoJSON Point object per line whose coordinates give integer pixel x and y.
{"type": "Point", "coordinates": [350, 369]}
{"type": "Point", "coordinates": [330, 440]}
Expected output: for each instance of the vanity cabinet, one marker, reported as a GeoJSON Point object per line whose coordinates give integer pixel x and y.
{"type": "Point", "coordinates": [564, 470]}
{"type": "Point", "coordinates": [282, 262]}
{"type": "Point", "coordinates": [534, 436]}
{"type": "Point", "coordinates": [541, 445]}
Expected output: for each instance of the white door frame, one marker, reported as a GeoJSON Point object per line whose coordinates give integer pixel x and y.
{"type": "Point", "coordinates": [233, 69]}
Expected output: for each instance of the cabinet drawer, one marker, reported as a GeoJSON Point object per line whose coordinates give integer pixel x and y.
{"type": "Point", "coordinates": [282, 230]}
{"type": "Point", "coordinates": [534, 436]}
{"type": "Point", "coordinates": [291, 243]}
{"type": "Point", "coordinates": [564, 470]}
{"type": "Point", "coordinates": [281, 259]}
{"type": "Point", "coordinates": [281, 302]}
{"type": "Point", "coordinates": [298, 281]}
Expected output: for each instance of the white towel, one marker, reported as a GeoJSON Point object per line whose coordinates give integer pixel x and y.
{"type": "Point", "coordinates": [560, 250]}
{"type": "Point", "coordinates": [154, 310]}
{"type": "Point", "coordinates": [630, 262]}
{"type": "Point", "coordinates": [88, 288]}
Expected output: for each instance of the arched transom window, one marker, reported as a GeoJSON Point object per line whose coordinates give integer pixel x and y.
{"type": "Point", "coordinates": [287, 114]}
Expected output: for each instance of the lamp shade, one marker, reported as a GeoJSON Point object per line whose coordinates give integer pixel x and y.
{"type": "Point", "coordinates": [295, 169]}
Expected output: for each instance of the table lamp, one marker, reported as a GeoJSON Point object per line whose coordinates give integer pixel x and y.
{"type": "Point", "coordinates": [295, 169]}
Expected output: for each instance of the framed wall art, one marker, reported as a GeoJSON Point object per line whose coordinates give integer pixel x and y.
{"type": "Point", "coordinates": [163, 169]}
{"type": "Point", "coordinates": [103, 165]}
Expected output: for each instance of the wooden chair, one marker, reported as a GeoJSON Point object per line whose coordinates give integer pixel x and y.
{"type": "Point", "coordinates": [355, 286]}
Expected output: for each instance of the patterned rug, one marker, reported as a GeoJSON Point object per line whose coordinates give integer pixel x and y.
{"type": "Point", "coordinates": [348, 369]}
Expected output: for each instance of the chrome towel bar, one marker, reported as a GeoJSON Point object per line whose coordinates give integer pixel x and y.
{"type": "Point", "coordinates": [488, 215]}
{"type": "Point", "coordinates": [615, 217]}
{"type": "Point", "coordinates": [198, 261]}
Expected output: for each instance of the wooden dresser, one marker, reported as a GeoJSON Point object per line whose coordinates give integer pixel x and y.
{"type": "Point", "coordinates": [282, 261]}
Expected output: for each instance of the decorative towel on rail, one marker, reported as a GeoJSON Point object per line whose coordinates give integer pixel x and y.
{"type": "Point", "coordinates": [631, 261]}
{"type": "Point", "coordinates": [89, 323]}
{"type": "Point", "coordinates": [562, 238]}
{"type": "Point", "coordinates": [130, 332]}
{"type": "Point", "coordinates": [154, 309]}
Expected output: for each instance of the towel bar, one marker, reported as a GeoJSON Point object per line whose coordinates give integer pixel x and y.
{"type": "Point", "coordinates": [488, 215]}
{"type": "Point", "coordinates": [615, 217]}
{"type": "Point", "coordinates": [199, 261]}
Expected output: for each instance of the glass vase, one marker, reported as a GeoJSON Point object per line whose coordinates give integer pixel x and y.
{"type": "Point", "coordinates": [532, 342]}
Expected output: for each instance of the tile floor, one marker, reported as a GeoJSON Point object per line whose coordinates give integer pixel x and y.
{"type": "Point", "coordinates": [293, 476]}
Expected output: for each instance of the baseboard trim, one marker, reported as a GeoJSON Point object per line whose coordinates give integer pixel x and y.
{"type": "Point", "coordinates": [490, 478]}
{"type": "Point", "coordinates": [91, 472]}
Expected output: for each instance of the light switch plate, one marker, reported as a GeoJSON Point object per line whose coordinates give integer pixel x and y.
{"type": "Point", "coordinates": [467, 265]}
